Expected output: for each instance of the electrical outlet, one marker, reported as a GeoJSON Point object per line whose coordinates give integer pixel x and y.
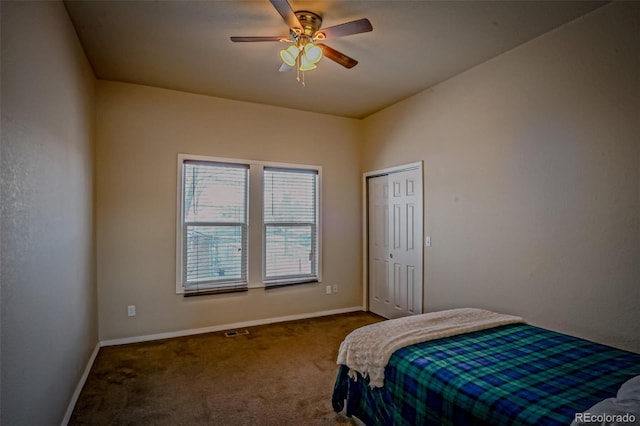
{"type": "Point", "coordinates": [131, 310]}
{"type": "Point", "coordinates": [335, 288]}
{"type": "Point", "coordinates": [327, 289]}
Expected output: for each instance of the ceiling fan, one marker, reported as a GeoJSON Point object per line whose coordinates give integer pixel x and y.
{"type": "Point", "coordinates": [306, 36]}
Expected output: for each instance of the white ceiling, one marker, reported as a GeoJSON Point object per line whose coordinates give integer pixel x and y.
{"type": "Point", "coordinates": [184, 45]}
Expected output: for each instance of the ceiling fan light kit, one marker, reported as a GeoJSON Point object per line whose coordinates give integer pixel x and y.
{"type": "Point", "coordinates": [304, 32]}
{"type": "Point", "coordinates": [303, 54]}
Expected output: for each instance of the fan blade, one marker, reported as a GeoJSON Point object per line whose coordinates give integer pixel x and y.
{"type": "Point", "coordinates": [284, 68]}
{"type": "Point", "coordinates": [348, 28]}
{"type": "Point", "coordinates": [284, 9]}
{"type": "Point", "coordinates": [336, 56]}
{"type": "Point", "coordinates": [259, 38]}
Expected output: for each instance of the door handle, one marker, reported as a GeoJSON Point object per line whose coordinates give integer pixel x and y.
{"type": "Point", "coordinates": [391, 255]}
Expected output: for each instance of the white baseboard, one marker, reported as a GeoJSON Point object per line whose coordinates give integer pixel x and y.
{"type": "Point", "coordinates": [83, 378]}
{"type": "Point", "coordinates": [215, 328]}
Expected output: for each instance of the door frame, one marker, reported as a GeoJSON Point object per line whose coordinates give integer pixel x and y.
{"type": "Point", "coordinates": [365, 224]}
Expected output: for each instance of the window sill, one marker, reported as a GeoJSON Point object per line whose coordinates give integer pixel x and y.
{"type": "Point", "coordinates": [281, 284]}
{"type": "Point", "coordinates": [210, 291]}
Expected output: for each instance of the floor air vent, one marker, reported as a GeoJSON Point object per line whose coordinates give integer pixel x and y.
{"type": "Point", "coordinates": [235, 333]}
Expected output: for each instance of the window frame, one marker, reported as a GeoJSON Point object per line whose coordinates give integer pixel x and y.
{"type": "Point", "coordinates": [255, 244]}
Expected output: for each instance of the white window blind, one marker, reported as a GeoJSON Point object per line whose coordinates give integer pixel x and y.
{"type": "Point", "coordinates": [290, 220]}
{"type": "Point", "coordinates": [214, 226]}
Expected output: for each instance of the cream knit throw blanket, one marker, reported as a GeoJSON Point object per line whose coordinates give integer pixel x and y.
{"type": "Point", "coordinates": [368, 349]}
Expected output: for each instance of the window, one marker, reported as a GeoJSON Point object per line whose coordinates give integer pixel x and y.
{"type": "Point", "coordinates": [218, 251]}
{"type": "Point", "coordinates": [214, 234]}
{"type": "Point", "coordinates": [290, 218]}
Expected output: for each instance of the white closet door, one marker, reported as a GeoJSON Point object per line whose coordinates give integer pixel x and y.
{"type": "Point", "coordinates": [395, 244]}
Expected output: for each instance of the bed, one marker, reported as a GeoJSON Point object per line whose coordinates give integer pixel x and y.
{"type": "Point", "coordinates": [510, 373]}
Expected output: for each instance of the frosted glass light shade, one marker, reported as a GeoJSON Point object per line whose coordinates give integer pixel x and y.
{"type": "Point", "coordinates": [306, 64]}
{"type": "Point", "coordinates": [289, 55]}
{"type": "Point", "coordinates": [313, 53]}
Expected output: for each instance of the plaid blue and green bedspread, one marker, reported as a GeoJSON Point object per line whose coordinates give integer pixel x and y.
{"type": "Point", "coordinates": [510, 375]}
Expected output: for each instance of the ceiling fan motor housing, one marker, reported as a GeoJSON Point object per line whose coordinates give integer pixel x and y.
{"type": "Point", "coordinates": [310, 22]}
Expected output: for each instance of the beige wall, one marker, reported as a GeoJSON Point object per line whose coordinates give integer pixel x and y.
{"type": "Point", "coordinates": [532, 179]}
{"type": "Point", "coordinates": [49, 309]}
{"type": "Point", "coordinates": [140, 131]}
